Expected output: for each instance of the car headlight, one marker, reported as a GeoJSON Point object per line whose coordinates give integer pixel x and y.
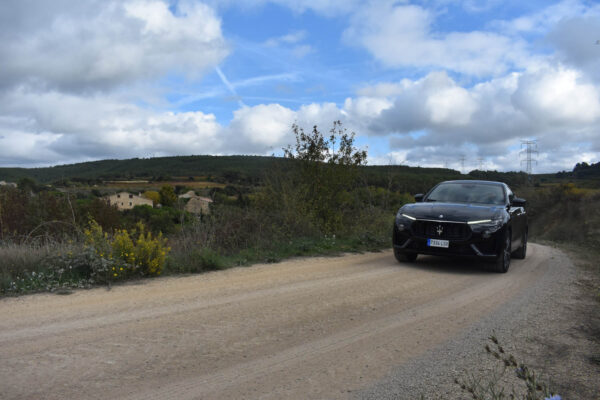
{"type": "Point", "coordinates": [487, 226]}
{"type": "Point", "coordinates": [403, 221]}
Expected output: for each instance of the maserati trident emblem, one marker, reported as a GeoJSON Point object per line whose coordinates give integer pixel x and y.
{"type": "Point", "coordinates": [439, 230]}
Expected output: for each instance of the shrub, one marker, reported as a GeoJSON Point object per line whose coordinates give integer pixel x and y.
{"type": "Point", "coordinates": [125, 253]}
{"type": "Point", "coordinates": [196, 260]}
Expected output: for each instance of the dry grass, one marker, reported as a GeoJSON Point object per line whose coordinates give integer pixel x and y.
{"type": "Point", "coordinates": [141, 186]}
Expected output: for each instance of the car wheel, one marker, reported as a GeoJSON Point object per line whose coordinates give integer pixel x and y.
{"type": "Point", "coordinates": [521, 252]}
{"type": "Point", "coordinates": [503, 262]}
{"type": "Point", "coordinates": [403, 257]}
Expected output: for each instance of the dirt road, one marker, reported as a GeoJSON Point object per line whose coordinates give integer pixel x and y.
{"type": "Point", "coordinates": [306, 328]}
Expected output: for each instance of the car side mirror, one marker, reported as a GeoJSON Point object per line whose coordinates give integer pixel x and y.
{"type": "Point", "coordinates": [419, 197]}
{"type": "Point", "coordinates": [518, 202]}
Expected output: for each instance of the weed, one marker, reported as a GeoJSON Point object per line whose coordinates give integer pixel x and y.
{"type": "Point", "coordinates": [493, 387]}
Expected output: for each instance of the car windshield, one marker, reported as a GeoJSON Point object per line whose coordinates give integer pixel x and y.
{"type": "Point", "coordinates": [467, 193]}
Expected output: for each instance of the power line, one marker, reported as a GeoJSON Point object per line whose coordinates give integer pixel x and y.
{"type": "Point", "coordinates": [529, 150]}
{"type": "Point", "coordinates": [480, 161]}
{"type": "Point", "coordinates": [462, 164]}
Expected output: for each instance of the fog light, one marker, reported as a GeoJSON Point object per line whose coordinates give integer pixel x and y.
{"type": "Point", "coordinates": [486, 234]}
{"type": "Point", "coordinates": [400, 227]}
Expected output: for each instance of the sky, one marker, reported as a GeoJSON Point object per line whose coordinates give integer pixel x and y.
{"type": "Point", "coordinates": [421, 83]}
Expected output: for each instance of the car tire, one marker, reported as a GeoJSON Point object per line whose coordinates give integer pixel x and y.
{"type": "Point", "coordinates": [521, 252]}
{"type": "Point", "coordinates": [404, 257]}
{"type": "Point", "coordinates": [503, 262]}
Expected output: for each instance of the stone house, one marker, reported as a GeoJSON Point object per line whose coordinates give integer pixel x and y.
{"type": "Point", "coordinates": [126, 200]}
{"type": "Point", "coordinates": [9, 184]}
{"type": "Point", "coordinates": [198, 205]}
{"type": "Point", "coordinates": [188, 195]}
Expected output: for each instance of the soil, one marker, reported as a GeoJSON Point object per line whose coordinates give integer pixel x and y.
{"type": "Point", "coordinates": [311, 328]}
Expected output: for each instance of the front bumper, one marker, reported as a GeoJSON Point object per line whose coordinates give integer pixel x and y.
{"type": "Point", "coordinates": [473, 245]}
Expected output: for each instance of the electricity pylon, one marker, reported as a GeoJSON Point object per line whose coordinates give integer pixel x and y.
{"type": "Point", "coordinates": [529, 150]}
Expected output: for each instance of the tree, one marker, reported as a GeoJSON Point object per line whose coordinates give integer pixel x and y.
{"type": "Point", "coordinates": [167, 196]}
{"type": "Point", "coordinates": [27, 185]}
{"type": "Point", "coordinates": [328, 172]}
{"type": "Point", "coordinates": [152, 195]}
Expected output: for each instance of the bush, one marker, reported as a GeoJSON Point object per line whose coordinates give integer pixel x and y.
{"type": "Point", "coordinates": [195, 261]}
{"type": "Point", "coordinates": [126, 254]}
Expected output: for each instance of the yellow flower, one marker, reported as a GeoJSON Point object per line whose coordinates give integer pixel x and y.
{"type": "Point", "coordinates": [121, 269]}
{"type": "Point", "coordinates": [115, 275]}
{"type": "Point", "coordinates": [113, 268]}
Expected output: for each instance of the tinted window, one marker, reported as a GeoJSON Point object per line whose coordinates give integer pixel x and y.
{"type": "Point", "coordinates": [467, 193]}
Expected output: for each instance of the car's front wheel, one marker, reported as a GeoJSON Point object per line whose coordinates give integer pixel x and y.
{"type": "Point", "coordinates": [403, 257]}
{"type": "Point", "coordinates": [521, 252]}
{"type": "Point", "coordinates": [503, 262]}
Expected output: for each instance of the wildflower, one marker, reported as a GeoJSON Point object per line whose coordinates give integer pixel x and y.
{"type": "Point", "coordinates": [121, 269]}
{"type": "Point", "coordinates": [115, 274]}
{"type": "Point", "coordinates": [113, 268]}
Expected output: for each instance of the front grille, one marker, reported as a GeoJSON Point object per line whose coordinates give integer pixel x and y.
{"type": "Point", "coordinates": [441, 230]}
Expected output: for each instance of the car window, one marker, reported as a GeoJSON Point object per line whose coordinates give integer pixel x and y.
{"type": "Point", "coordinates": [511, 195]}
{"type": "Point", "coordinates": [467, 193]}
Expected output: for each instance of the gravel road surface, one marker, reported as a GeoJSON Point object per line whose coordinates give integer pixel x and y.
{"type": "Point", "coordinates": [357, 326]}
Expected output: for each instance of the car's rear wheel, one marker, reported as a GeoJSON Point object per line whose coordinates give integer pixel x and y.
{"type": "Point", "coordinates": [403, 257]}
{"type": "Point", "coordinates": [503, 262]}
{"type": "Point", "coordinates": [521, 252]}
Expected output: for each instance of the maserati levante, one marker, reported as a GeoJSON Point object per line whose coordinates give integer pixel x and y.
{"type": "Point", "coordinates": [479, 219]}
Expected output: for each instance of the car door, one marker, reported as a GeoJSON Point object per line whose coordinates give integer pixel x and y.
{"type": "Point", "coordinates": [517, 216]}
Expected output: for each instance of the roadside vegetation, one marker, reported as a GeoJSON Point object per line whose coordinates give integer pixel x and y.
{"type": "Point", "coordinates": [320, 198]}
{"type": "Point", "coordinates": [315, 200]}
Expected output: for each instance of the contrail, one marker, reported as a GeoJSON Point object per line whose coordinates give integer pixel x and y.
{"type": "Point", "coordinates": [229, 85]}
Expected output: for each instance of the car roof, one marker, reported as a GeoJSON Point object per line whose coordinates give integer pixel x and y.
{"type": "Point", "coordinates": [476, 181]}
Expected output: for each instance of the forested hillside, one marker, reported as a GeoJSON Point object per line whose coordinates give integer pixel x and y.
{"type": "Point", "coordinates": [244, 170]}
{"type": "Point", "coordinates": [230, 168]}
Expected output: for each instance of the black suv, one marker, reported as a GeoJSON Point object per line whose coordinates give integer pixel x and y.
{"type": "Point", "coordinates": [480, 219]}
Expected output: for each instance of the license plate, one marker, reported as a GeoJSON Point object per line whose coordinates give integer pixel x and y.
{"type": "Point", "coordinates": [438, 243]}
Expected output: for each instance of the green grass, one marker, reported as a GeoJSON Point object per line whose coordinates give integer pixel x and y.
{"type": "Point", "coordinates": [205, 259]}
{"type": "Point", "coordinates": [27, 268]}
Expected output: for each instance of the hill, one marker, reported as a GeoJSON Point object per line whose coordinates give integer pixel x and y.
{"type": "Point", "coordinates": [230, 168]}
{"type": "Point", "coordinates": [250, 171]}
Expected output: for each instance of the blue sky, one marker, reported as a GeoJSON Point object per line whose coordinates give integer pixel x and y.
{"type": "Point", "coordinates": [421, 83]}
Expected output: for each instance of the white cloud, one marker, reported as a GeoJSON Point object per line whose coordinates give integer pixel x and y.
{"type": "Point", "coordinates": [54, 126]}
{"type": "Point", "coordinates": [556, 96]}
{"type": "Point", "coordinates": [542, 21]}
{"type": "Point", "coordinates": [401, 35]}
{"type": "Point", "coordinates": [290, 38]}
{"type": "Point", "coordinates": [102, 44]}
{"type": "Point", "coordinates": [260, 129]}
{"type": "Point", "coordinates": [328, 8]}
{"type": "Point", "coordinates": [302, 50]}
{"type": "Point", "coordinates": [293, 42]}
{"type": "Point", "coordinates": [551, 104]}
{"type": "Point", "coordinates": [575, 41]}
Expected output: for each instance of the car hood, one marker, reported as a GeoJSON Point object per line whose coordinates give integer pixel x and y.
{"type": "Point", "coordinates": [451, 211]}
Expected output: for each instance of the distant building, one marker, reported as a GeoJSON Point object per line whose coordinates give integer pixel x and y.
{"type": "Point", "coordinates": [198, 205]}
{"type": "Point", "coordinates": [126, 201]}
{"type": "Point", "coordinates": [9, 184]}
{"type": "Point", "coordinates": [188, 195]}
